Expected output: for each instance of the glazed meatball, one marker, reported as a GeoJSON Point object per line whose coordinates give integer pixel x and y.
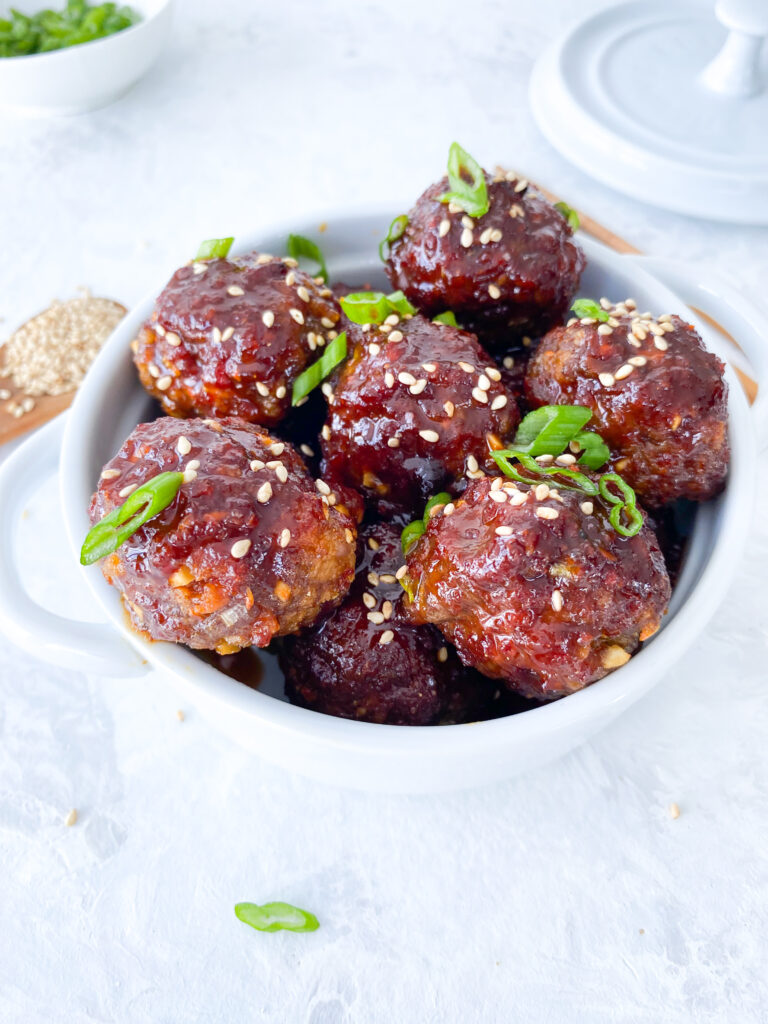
{"type": "Point", "coordinates": [365, 662]}
{"type": "Point", "coordinates": [247, 550]}
{"type": "Point", "coordinates": [534, 587]}
{"type": "Point", "coordinates": [657, 397]}
{"type": "Point", "coordinates": [517, 267]}
{"type": "Point", "coordinates": [228, 337]}
{"type": "Point", "coordinates": [411, 411]}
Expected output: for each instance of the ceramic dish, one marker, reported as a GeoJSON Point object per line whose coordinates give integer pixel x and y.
{"type": "Point", "coordinates": [80, 78]}
{"type": "Point", "coordinates": [111, 402]}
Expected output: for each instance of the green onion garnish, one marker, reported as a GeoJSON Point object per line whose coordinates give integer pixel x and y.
{"type": "Point", "coordinates": [549, 429]}
{"type": "Point", "coordinates": [115, 528]}
{"type": "Point", "coordinates": [570, 215]}
{"type": "Point", "coordinates": [589, 309]}
{"type": "Point", "coordinates": [299, 246]}
{"type": "Point", "coordinates": [276, 917]}
{"type": "Point", "coordinates": [594, 450]}
{"type": "Point", "coordinates": [625, 503]}
{"type": "Point", "coordinates": [48, 30]}
{"type": "Point", "coordinates": [414, 530]}
{"type": "Point", "coordinates": [466, 179]}
{"type": "Point", "coordinates": [214, 249]}
{"type": "Point", "coordinates": [396, 230]}
{"type": "Point", "coordinates": [579, 482]}
{"type": "Point", "coordinates": [375, 307]}
{"type": "Point", "coordinates": [448, 318]}
{"type": "Point", "coordinates": [335, 353]}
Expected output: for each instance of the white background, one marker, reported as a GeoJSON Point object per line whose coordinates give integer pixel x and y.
{"type": "Point", "coordinates": [568, 895]}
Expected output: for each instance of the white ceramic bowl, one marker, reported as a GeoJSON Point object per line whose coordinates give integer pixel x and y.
{"type": "Point", "coordinates": [377, 757]}
{"type": "Point", "coordinates": [88, 76]}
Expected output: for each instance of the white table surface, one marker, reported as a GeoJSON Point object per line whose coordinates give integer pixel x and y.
{"type": "Point", "coordinates": [568, 895]}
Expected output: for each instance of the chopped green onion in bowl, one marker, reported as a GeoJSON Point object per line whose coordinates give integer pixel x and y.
{"type": "Point", "coordinates": [22, 35]}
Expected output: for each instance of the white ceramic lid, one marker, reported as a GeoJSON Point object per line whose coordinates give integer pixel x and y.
{"type": "Point", "coordinates": [666, 103]}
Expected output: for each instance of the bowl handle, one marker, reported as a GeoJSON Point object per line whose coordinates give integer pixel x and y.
{"type": "Point", "coordinates": [88, 646]}
{"type": "Point", "coordinates": [730, 310]}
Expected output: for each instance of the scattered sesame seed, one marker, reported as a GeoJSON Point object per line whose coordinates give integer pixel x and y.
{"type": "Point", "coordinates": [521, 185]}
{"type": "Point", "coordinates": [661, 344]}
{"type": "Point", "coordinates": [216, 333]}
{"type": "Point", "coordinates": [235, 289]}
{"type": "Point", "coordinates": [325, 433]}
{"type": "Point", "coordinates": [264, 493]}
{"type": "Point", "coordinates": [369, 600]}
{"type": "Point", "coordinates": [493, 373]}
{"type": "Point", "coordinates": [296, 315]}
{"type": "Point", "coordinates": [326, 389]}
{"type": "Point", "coordinates": [674, 811]}
{"type": "Point", "coordinates": [290, 278]}
{"type": "Point", "coordinates": [262, 388]}
{"type": "Point", "coordinates": [393, 319]}
{"type": "Point", "coordinates": [508, 362]}
{"type": "Point", "coordinates": [303, 294]}
{"type": "Point", "coordinates": [480, 396]}
{"type": "Point", "coordinates": [387, 609]}
{"type": "Point", "coordinates": [472, 465]}
{"type": "Point", "coordinates": [494, 291]}
{"type": "Point", "coordinates": [395, 336]}
{"type": "Point", "coordinates": [172, 338]}
{"type": "Point", "coordinates": [445, 227]}
{"type": "Point", "coordinates": [547, 513]}
{"type": "Point", "coordinates": [280, 391]}
{"type": "Point", "coordinates": [541, 492]}
{"type": "Point", "coordinates": [373, 578]}
{"type": "Point", "coordinates": [496, 235]}
{"type": "Point", "coordinates": [466, 238]}
{"type": "Point", "coordinates": [442, 654]}
{"type": "Point", "coordinates": [227, 334]}
{"type": "Point", "coordinates": [499, 402]}
{"type": "Point", "coordinates": [164, 383]}
{"type": "Point", "coordinates": [504, 531]}
{"type": "Point", "coordinates": [267, 317]}
{"type": "Point", "coordinates": [285, 538]}
{"type": "Point", "coordinates": [587, 508]}
{"type": "Point", "coordinates": [483, 383]}
{"type": "Point", "coordinates": [190, 475]}
{"type": "Point", "coordinates": [128, 489]}
{"type": "Point", "coordinates": [322, 487]}
{"type": "Point", "coordinates": [516, 210]}
{"type": "Point", "coordinates": [386, 637]}
{"type": "Point", "coordinates": [485, 237]}
{"type": "Point", "coordinates": [193, 464]}
{"type": "Point", "coordinates": [373, 544]}
{"type": "Point", "coordinates": [374, 349]}
{"type": "Point", "coordinates": [614, 657]}
{"type": "Point", "coordinates": [637, 361]}
{"type": "Point", "coordinates": [557, 600]}
{"type": "Point", "coordinates": [406, 378]}
{"type": "Point", "coordinates": [450, 409]}
{"type": "Point", "coordinates": [257, 464]}
{"type": "Point", "coordinates": [348, 535]}
{"type": "Point", "coordinates": [499, 496]}
{"type": "Point", "coordinates": [110, 474]}
{"type": "Point", "coordinates": [281, 473]}
{"type": "Point", "coordinates": [606, 379]}
{"type": "Point", "coordinates": [605, 329]}
{"type": "Point", "coordinates": [180, 715]}
{"type": "Point", "coordinates": [429, 435]}
{"type": "Point", "coordinates": [71, 818]}
{"type": "Point", "coordinates": [401, 572]}
{"type": "Point", "coordinates": [389, 379]}
{"type": "Point", "coordinates": [623, 371]}
{"type": "Point", "coordinates": [393, 442]}
{"type": "Point", "coordinates": [466, 367]}
{"type": "Point", "coordinates": [240, 548]}
{"type": "Point", "coordinates": [449, 509]}
{"type": "Point", "coordinates": [454, 208]}
{"type": "Point", "coordinates": [326, 322]}
{"type": "Point", "coordinates": [264, 257]}
{"type": "Point", "coordinates": [199, 268]}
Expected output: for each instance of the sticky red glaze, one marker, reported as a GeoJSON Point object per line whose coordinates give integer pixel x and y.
{"type": "Point", "coordinates": [216, 373]}
{"type": "Point", "coordinates": [536, 265]}
{"type": "Point", "coordinates": [667, 421]}
{"type": "Point", "coordinates": [340, 667]}
{"type": "Point", "coordinates": [366, 412]}
{"type": "Point", "coordinates": [177, 575]}
{"type": "Point", "coordinates": [492, 595]}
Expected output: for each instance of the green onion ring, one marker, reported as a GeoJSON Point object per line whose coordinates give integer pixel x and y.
{"type": "Point", "coordinates": [580, 482]}
{"type": "Point", "coordinates": [595, 452]}
{"type": "Point", "coordinates": [374, 307]}
{"type": "Point", "coordinates": [396, 230]}
{"type": "Point", "coordinates": [298, 246]}
{"type": "Point", "coordinates": [214, 249]}
{"type": "Point", "coordinates": [335, 353]}
{"type": "Point", "coordinates": [626, 504]}
{"type": "Point", "coordinates": [411, 534]}
{"type": "Point", "coordinates": [276, 917]}
{"type": "Point", "coordinates": [472, 195]}
{"type": "Point", "coordinates": [570, 215]}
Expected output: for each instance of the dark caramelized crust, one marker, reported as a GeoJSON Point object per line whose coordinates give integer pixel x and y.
{"type": "Point", "coordinates": [411, 411]}
{"type": "Point", "coordinates": [228, 337]}
{"type": "Point", "coordinates": [535, 587]}
{"type": "Point", "coordinates": [366, 662]}
{"type": "Point", "coordinates": [657, 396]}
{"type": "Point", "coordinates": [516, 267]}
{"type": "Point", "coordinates": [249, 549]}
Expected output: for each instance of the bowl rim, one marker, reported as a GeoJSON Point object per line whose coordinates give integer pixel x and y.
{"type": "Point", "coordinates": [729, 517]}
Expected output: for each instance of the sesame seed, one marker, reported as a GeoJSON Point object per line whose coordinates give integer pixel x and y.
{"type": "Point", "coordinates": [587, 508]}
{"type": "Point", "coordinates": [499, 496]}
{"type": "Point", "coordinates": [486, 236]}
{"type": "Point", "coordinates": [674, 812]}
{"type": "Point", "coordinates": [418, 387]}
{"type": "Point", "coordinates": [442, 654]}
{"type": "Point", "coordinates": [290, 278]}
{"type": "Point", "coordinates": [199, 268]}
{"type": "Point", "coordinates": [264, 493]}
{"type": "Point", "coordinates": [661, 344]}
{"type": "Point", "coordinates": [387, 609]}
{"type": "Point", "coordinates": [326, 322]}
{"type": "Point", "coordinates": [348, 535]}
{"type": "Point", "coordinates": [303, 294]}
{"type": "Point", "coordinates": [445, 227]}
{"type": "Point", "coordinates": [450, 409]}
{"type": "Point", "coordinates": [472, 465]}
{"type": "Point", "coordinates": [393, 442]}
{"type": "Point", "coordinates": [172, 338]}
{"type": "Point", "coordinates": [386, 637]}
{"type": "Point", "coordinates": [71, 818]}
{"type": "Point", "coordinates": [326, 389]}
{"type": "Point", "coordinates": [504, 531]}
{"type": "Point", "coordinates": [614, 657]}
{"type": "Point", "coordinates": [479, 396]}
{"type": "Point", "coordinates": [494, 291]}
{"type": "Point", "coordinates": [466, 238]}
{"type": "Point", "coordinates": [547, 513]}
{"type": "Point", "coordinates": [262, 388]}
{"type": "Point", "coordinates": [449, 509]}
{"type": "Point", "coordinates": [374, 349]}
{"type": "Point", "coordinates": [180, 715]}
{"type": "Point", "coordinates": [467, 221]}
{"type": "Point", "coordinates": [496, 483]}
{"type": "Point", "coordinates": [164, 383]}
{"type": "Point", "coordinates": [493, 373]}
{"type": "Point", "coordinates": [190, 475]}
{"type": "Point", "coordinates": [285, 538]}
{"type": "Point", "coordinates": [128, 489]}
{"type": "Point", "coordinates": [240, 548]}
{"type": "Point", "coordinates": [280, 391]}
{"type": "Point", "coordinates": [519, 498]}
{"type": "Point", "coordinates": [401, 572]}
{"type": "Point", "coordinates": [216, 335]}
{"type": "Point", "coordinates": [395, 336]}
{"type": "Point", "coordinates": [389, 379]}
{"type": "Point", "coordinates": [605, 329]}
{"type": "Point", "coordinates": [296, 315]}
{"type": "Point", "coordinates": [235, 289]}
{"type": "Point", "coordinates": [623, 371]}
{"type": "Point", "coordinates": [322, 487]}
{"type": "Point", "coordinates": [499, 402]}
{"type": "Point", "coordinates": [267, 317]}
{"type": "Point", "coordinates": [496, 235]}
{"type": "Point", "coordinates": [373, 579]}
{"type": "Point", "coordinates": [516, 210]}
{"type": "Point", "coordinates": [557, 600]}
{"type": "Point", "coordinates": [508, 362]}
{"type": "Point", "coordinates": [429, 435]}
{"type": "Point", "coordinates": [522, 185]}
{"type": "Point", "coordinates": [483, 383]}
{"type": "Point", "coordinates": [406, 378]}
{"type": "Point", "coordinates": [393, 319]}
{"type": "Point", "coordinates": [257, 464]}
{"type": "Point", "coordinates": [110, 474]}
{"type": "Point", "coordinates": [454, 207]}
{"type": "Point", "coordinates": [541, 492]}
{"type": "Point", "coordinates": [227, 334]}
{"type": "Point", "coordinates": [263, 258]}
{"type": "Point", "coordinates": [565, 460]}
{"type": "Point", "coordinates": [369, 600]}
{"type": "Point", "coordinates": [281, 473]}
{"type": "Point", "coordinates": [325, 433]}
{"type": "Point", "coordinates": [606, 379]}
{"type": "Point", "coordinates": [637, 361]}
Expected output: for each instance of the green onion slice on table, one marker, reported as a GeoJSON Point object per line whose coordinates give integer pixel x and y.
{"type": "Point", "coordinates": [466, 183]}
{"type": "Point", "coordinates": [138, 508]}
{"type": "Point", "coordinates": [298, 246]}
{"type": "Point", "coordinates": [214, 249]}
{"type": "Point", "coordinates": [335, 353]}
{"type": "Point", "coordinates": [396, 230]}
{"type": "Point", "coordinates": [276, 917]}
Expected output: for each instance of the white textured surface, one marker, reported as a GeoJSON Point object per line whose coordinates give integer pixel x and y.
{"type": "Point", "coordinates": [523, 902]}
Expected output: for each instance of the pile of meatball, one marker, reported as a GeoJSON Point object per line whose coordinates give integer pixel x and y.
{"type": "Point", "coordinates": [286, 530]}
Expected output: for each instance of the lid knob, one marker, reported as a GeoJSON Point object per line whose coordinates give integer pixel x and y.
{"type": "Point", "coordinates": [735, 71]}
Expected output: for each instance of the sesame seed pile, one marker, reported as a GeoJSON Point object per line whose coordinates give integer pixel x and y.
{"type": "Point", "coordinates": [50, 354]}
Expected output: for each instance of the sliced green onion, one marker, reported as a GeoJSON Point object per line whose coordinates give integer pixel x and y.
{"type": "Point", "coordinates": [411, 534]}
{"type": "Point", "coordinates": [335, 353]}
{"type": "Point", "coordinates": [466, 180]}
{"type": "Point", "coordinates": [299, 246]}
{"type": "Point", "coordinates": [438, 499]}
{"type": "Point", "coordinates": [570, 215]}
{"type": "Point", "coordinates": [595, 452]}
{"type": "Point", "coordinates": [578, 481]}
{"type": "Point", "coordinates": [276, 917]}
{"type": "Point", "coordinates": [374, 307]}
{"type": "Point", "coordinates": [214, 249]}
{"type": "Point", "coordinates": [447, 317]}
{"type": "Point", "coordinates": [115, 528]}
{"type": "Point", "coordinates": [49, 30]}
{"type": "Point", "coordinates": [588, 308]}
{"type": "Point", "coordinates": [549, 429]}
{"type": "Point", "coordinates": [396, 230]}
{"type": "Point", "coordinates": [625, 503]}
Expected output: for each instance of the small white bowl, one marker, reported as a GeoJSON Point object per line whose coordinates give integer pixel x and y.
{"type": "Point", "coordinates": [84, 77]}
{"type": "Point", "coordinates": [417, 759]}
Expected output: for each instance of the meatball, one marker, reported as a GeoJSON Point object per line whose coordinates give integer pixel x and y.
{"type": "Point", "coordinates": [364, 661]}
{"type": "Point", "coordinates": [657, 397]}
{"type": "Point", "coordinates": [246, 551]}
{"type": "Point", "coordinates": [534, 587]}
{"type": "Point", "coordinates": [516, 267]}
{"type": "Point", "coordinates": [228, 337]}
{"type": "Point", "coordinates": [411, 411]}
